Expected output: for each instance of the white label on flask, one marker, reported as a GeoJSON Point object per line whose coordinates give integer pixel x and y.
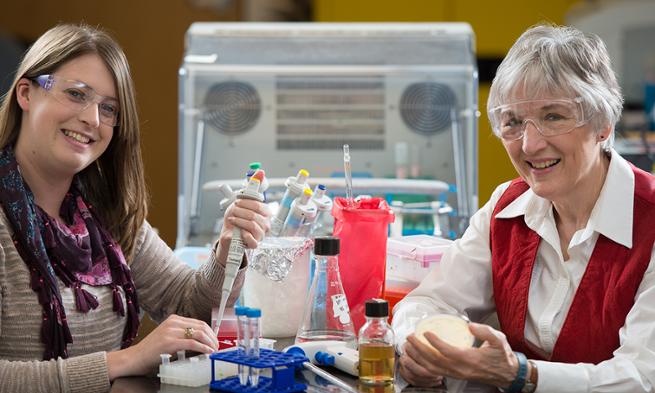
{"type": "Point", "coordinates": [340, 308]}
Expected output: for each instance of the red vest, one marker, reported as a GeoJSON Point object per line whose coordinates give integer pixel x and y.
{"type": "Point", "coordinates": [607, 290]}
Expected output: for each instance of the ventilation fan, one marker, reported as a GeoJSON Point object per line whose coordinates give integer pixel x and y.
{"type": "Point", "coordinates": [232, 107]}
{"type": "Point", "coordinates": [425, 107]}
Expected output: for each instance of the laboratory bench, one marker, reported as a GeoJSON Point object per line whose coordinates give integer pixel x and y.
{"type": "Point", "coordinates": [152, 385]}
{"type": "Point", "coordinates": [314, 384]}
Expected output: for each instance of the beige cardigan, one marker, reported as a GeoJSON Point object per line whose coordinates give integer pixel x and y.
{"type": "Point", "coordinates": [164, 285]}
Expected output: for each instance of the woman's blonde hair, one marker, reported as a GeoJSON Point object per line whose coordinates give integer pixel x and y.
{"type": "Point", "coordinates": [114, 184]}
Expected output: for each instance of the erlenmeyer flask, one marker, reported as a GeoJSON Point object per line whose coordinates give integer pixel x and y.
{"type": "Point", "coordinates": [326, 315]}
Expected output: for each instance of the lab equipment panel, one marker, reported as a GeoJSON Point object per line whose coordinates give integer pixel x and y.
{"type": "Point", "coordinates": [403, 96]}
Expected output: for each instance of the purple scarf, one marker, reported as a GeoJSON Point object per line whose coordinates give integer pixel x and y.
{"type": "Point", "coordinates": [82, 253]}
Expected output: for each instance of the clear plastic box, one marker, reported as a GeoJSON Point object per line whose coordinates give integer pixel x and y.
{"type": "Point", "coordinates": [410, 258]}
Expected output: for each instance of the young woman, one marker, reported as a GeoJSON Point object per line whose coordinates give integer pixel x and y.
{"type": "Point", "coordinates": [78, 260]}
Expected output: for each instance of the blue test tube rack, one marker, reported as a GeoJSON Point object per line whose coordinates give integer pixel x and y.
{"type": "Point", "coordinates": [283, 367]}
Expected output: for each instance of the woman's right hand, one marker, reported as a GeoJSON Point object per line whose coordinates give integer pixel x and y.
{"type": "Point", "coordinates": [252, 217]}
{"type": "Point", "coordinates": [168, 337]}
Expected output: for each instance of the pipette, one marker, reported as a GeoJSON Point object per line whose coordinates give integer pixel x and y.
{"type": "Point", "coordinates": [237, 247]}
{"type": "Point", "coordinates": [348, 175]}
{"type": "Point", "coordinates": [345, 360]}
{"type": "Point", "coordinates": [253, 166]}
{"type": "Point", "coordinates": [329, 377]}
{"type": "Point", "coordinates": [295, 186]}
{"type": "Point", "coordinates": [301, 209]}
{"type": "Point", "coordinates": [324, 205]}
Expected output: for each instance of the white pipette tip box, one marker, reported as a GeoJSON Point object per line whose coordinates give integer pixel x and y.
{"type": "Point", "coordinates": [196, 371]}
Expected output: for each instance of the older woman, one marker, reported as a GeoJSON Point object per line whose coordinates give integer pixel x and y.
{"type": "Point", "coordinates": [564, 253]}
{"type": "Point", "coordinates": [78, 260]}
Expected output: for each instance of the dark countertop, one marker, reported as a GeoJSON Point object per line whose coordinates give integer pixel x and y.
{"type": "Point", "coordinates": [315, 384]}
{"type": "Point", "coordinates": [152, 385]}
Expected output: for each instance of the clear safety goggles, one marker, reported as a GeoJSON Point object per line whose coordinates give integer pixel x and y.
{"type": "Point", "coordinates": [78, 96]}
{"type": "Point", "coordinates": [549, 117]}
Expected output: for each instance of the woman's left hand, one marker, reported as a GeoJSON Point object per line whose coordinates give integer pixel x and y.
{"type": "Point", "coordinates": [493, 363]}
{"type": "Point", "coordinates": [252, 217]}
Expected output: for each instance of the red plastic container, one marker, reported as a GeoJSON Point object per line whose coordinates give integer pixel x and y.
{"type": "Point", "coordinates": [363, 230]}
{"type": "Point", "coordinates": [227, 330]}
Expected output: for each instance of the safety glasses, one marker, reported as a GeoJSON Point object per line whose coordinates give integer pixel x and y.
{"type": "Point", "coordinates": [78, 96]}
{"type": "Point", "coordinates": [549, 117]}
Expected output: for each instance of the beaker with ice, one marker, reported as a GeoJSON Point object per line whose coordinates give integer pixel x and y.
{"type": "Point", "coordinates": [326, 315]}
{"type": "Point", "coordinates": [276, 282]}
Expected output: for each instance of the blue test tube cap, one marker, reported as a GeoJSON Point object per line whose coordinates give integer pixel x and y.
{"type": "Point", "coordinates": [321, 187]}
{"type": "Point", "coordinates": [254, 313]}
{"type": "Point", "coordinates": [240, 310]}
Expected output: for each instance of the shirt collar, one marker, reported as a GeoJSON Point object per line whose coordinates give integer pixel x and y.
{"type": "Point", "coordinates": [611, 216]}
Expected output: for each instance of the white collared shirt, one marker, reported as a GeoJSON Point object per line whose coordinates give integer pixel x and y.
{"type": "Point", "coordinates": [462, 283]}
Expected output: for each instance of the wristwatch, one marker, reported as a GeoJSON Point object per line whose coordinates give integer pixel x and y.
{"type": "Point", "coordinates": [531, 381]}
{"type": "Point", "coordinates": [518, 383]}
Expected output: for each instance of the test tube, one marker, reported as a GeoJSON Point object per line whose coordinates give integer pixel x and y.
{"type": "Point", "coordinates": [243, 335]}
{"type": "Point", "coordinates": [253, 315]}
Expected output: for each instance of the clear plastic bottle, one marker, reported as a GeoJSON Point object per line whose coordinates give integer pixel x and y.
{"type": "Point", "coordinates": [376, 340]}
{"type": "Point", "coordinates": [326, 315]}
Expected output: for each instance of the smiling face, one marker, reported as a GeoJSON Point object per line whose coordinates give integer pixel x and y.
{"type": "Point", "coordinates": [57, 139]}
{"type": "Point", "coordinates": [559, 167]}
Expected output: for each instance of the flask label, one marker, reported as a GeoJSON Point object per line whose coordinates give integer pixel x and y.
{"type": "Point", "coordinates": [340, 308]}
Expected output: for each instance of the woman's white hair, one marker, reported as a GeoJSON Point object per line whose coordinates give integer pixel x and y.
{"type": "Point", "coordinates": [561, 60]}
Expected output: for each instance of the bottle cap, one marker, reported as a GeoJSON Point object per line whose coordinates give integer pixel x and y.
{"type": "Point", "coordinates": [254, 313]}
{"type": "Point", "coordinates": [377, 308]}
{"type": "Point", "coordinates": [240, 310]}
{"type": "Point", "coordinates": [326, 245]}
